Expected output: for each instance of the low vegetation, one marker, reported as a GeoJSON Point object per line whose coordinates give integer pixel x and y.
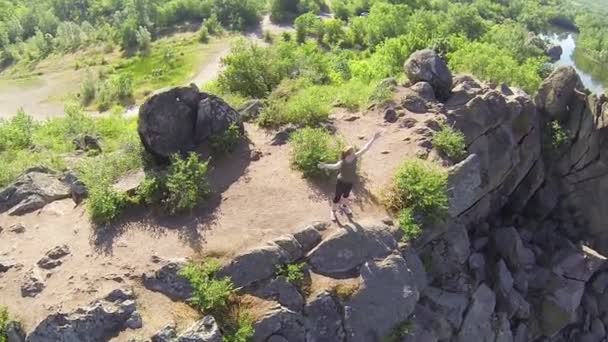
{"type": "Point", "coordinates": [401, 332]}
{"type": "Point", "coordinates": [418, 195]}
{"type": "Point", "coordinates": [450, 142]}
{"type": "Point", "coordinates": [293, 273]}
{"type": "Point", "coordinates": [556, 137]}
{"type": "Point", "coordinates": [345, 291]}
{"type": "Point", "coordinates": [216, 297]}
{"type": "Point", "coordinates": [311, 146]}
{"type": "Point", "coordinates": [227, 142]}
{"type": "Point", "coordinates": [4, 322]}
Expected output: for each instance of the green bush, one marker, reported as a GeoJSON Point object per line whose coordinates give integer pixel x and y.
{"type": "Point", "coordinates": [558, 136]}
{"type": "Point", "coordinates": [203, 35]}
{"type": "Point", "coordinates": [294, 273]}
{"type": "Point", "coordinates": [16, 133]}
{"type": "Point", "coordinates": [210, 294]}
{"type": "Point", "coordinates": [88, 89]}
{"type": "Point", "coordinates": [242, 332]}
{"type": "Point", "coordinates": [4, 321]}
{"type": "Point", "coordinates": [105, 204]}
{"type": "Point", "coordinates": [311, 146]}
{"type": "Point", "coordinates": [186, 183]}
{"type": "Point", "coordinates": [226, 142]}
{"type": "Point", "coordinates": [419, 194]}
{"type": "Point", "coordinates": [450, 142]}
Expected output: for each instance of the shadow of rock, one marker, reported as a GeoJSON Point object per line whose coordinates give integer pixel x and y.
{"type": "Point", "coordinates": [191, 227]}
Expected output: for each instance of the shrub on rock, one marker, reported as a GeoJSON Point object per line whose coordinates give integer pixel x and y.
{"type": "Point", "coordinates": [450, 143]}
{"type": "Point", "coordinates": [419, 194]}
{"type": "Point", "coordinates": [311, 146]}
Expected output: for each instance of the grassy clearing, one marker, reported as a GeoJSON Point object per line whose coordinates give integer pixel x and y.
{"type": "Point", "coordinates": [419, 195]}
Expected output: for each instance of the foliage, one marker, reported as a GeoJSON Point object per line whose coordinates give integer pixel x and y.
{"type": "Point", "coordinates": [294, 273]}
{"type": "Point", "coordinates": [450, 142]}
{"type": "Point", "coordinates": [210, 294]}
{"type": "Point", "coordinates": [87, 89]}
{"type": "Point", "coordinates": [203, 35]}
{"type": "Point", "coordinates": [344, 291]}
{"type": "Point", "coordinates": [492, 63]}
{"type": "Point", "coordinates": [16, 133]}
{"type": "Point", "coordinates": [311, 146]}
{"type": "Point", "coordinates": [115, 90]}
{"type": "Point", "coordinates": [243, 332]}
{"type": "Point", "coordinates": [558, 135]}
{"type": "Point", "coordinates": [401, 332]}
{"type": "Point", "coordinates": [104, 203]}
{"type": "Point", "coordinates": [4, 321]}
{"type": "Point", "coordinates": [226, 142]}
{"type": "Point", "coordinates": [186, 183]}
{"type": "Point", "coordinates": [419, 194]}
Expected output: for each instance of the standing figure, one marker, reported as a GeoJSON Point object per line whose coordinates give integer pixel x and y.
{"type": "Point", "coordinates": [347, 177]}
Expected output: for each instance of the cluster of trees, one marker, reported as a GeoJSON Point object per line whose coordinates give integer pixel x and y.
{"type": "Point", "coordinates": [593, 37]}
{"type": "Point", "coordinates": [492, 40]}
{"type": "Point", "coordinates": [32, 30]}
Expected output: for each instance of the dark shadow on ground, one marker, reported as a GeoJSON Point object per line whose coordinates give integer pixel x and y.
{"type": "Point", "coordinates": [323, 189]}
{"type": "Point", "coordinates": [191, 226]}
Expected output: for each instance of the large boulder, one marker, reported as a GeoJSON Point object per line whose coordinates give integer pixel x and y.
{"type": "Point", "coordinates": [100, 321]}
{"type": "Point", "coordinates": [349, 248]}
{"type": "Point", "coordinates": [554, 52]}
{"type": "Point", "coordinates": [428, 66]}
{"type": "Point", "coordinates": [560, 303]}
{"type": "Point", "coordinates": [254, 265]}
{"type": "Point", "coordinates": [179, 119]}
{"type": "Point", "coordinates": [277, 322]}
{"type": "Point", "coordinates": [34, 189]}
{"type": "Point", "coordinates": [386, 297]}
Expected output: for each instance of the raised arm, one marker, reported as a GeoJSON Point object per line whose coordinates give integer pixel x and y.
{"type": "Point", "coordinates": [368, 145]}
{"type": "Point", "coordinates": [335, 166]}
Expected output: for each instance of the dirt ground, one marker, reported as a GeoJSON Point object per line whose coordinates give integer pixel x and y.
{"type": "Point", "coordinates": [253, 201]}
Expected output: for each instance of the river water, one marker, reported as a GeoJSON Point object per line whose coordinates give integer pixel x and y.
{"type": "Point", "coordinates": [593, 75]}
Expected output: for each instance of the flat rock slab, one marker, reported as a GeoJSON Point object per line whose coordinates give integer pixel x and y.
{"type": "Point", "coordinates": [349, 248]}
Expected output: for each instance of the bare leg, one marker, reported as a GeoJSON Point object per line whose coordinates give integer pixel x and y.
{"type": "Point", "coordinates": [332, 213]}
{"type": "Point", "coordinates": [345, 206]}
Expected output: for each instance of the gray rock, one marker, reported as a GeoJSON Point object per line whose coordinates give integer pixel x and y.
{"type": "Point", "coordinates": [176, 120]}
{"type": "Point", "coordinates": [205, 330]}
{"type": "Point", "coordinates": [446, 304]}
{"type": "Point", "coordinates": [308, 237]}
{"type": "Point", "coordinates": [464, 182]}
{"type": "Point", "coordinates": [508, 244]}
{"type": "Point", "coordinates": [414, 103]}
{"type": "Point", "coordinates": [424, 90]}
{"type": "Point", "coordinates": [477, 325]}
{"type": "Point", "coordinates": [6, 265]}
{"type": "Point", "coordinates": [386, 284]}
{"type": "Point", "coordinates": [86, 143]}
{"type": "Point", "coordinates": [78, 190]}
{"type": "Point", "coordinates": [14, 332]}
{"type": "Point", "coordinates": [282, 291]}
{"type": "Point", "coordinates": [255, 265]}
{"type": "Point", "coordinates": [214, 117]}
{"type": "Point", "coordinates": [390, 115]}
{"type": "Point", "coordinates": [425, 326]}
{"type": "Point", "coordinates": [48, 263]}
{"type": "Point", "coordinates": [348, 248]}
{"type": "Point", "coordinates": [554, 52]}
{"type": "Point", "coordinates": [135, 321]}
{"type": "Point", "coordinates": [559, 304]}
{"type": "Point", "coordinates": [166, 334]}
{"type": "Point", "coordinates": [279, 321]}
{"type": "Point", "coordinates": [33, 283]}
{"type": "Point", "coordinates": [17, 228]}
{"type": "Point", "coordinates": [521, 333]}
{"type": "Point", "coordinates": [291, 247]}
{"type": "Point", "coordinates": [99, 321]}
{"type": "Point", "coordinates": [477, 264]}
{"type": "Point", "coordinates": [503, 329]}
{"type": "Point", "coordinates": [31, 191]}
{"type": "Point", "coordinates": [282, 136]}
{"type": "Point", "coordinates": [599, 284]}
{"type": "Point", "coordinates": [251, 109]}
{"type": "Point", "coordinates": [448, 253]}
{"type": "Point", "coordinates": [428, 66]}
{"type": "Point", "coordinates": [167, 280]}
{"type": "Point", "coordinates": [52, 257]}
{"type": "Point", "coordinates": [325, 317]}
{"type": "Point", "coordinates": [574, 263]}
{"type": "Point", "coordinates": [416, 267]}
{"type": "Point", "coordinates": [508, 300]}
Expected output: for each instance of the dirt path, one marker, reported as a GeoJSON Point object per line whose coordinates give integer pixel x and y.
{"type": "Point", "coordinates": [254, 201]}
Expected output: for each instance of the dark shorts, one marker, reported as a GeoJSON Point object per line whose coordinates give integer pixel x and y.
{"type": "Point", "coordinates": [342, 190]}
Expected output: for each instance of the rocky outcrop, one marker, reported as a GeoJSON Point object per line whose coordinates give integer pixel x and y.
{"type": "Point", "coordinates": [97, 322]}
{"type": "Point", "coordinates": [428, 66]}
{"type": "Point", "coordinates": [182, 118]}
{"type": "Point", "coordinates": [53, 257]}
{"type": "Point", "coordinates": [34, 189]}
{"type": "Point", "coordinates": [205, 330]}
